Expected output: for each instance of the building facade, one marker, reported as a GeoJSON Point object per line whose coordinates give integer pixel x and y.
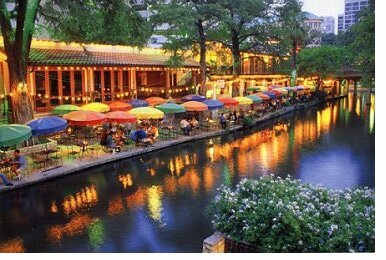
{"type": "Point", "coordinates": [340, 22]}
{"type": "Point", "coordinates": [328, 24]}
{"type": "Point", "coordinates": [60, 73]}
{"type": "Point", "coordinates": [351, 10]}
{"type": "Point", "coordinates": [315, 24]}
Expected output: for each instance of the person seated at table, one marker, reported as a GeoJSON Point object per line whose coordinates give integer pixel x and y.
{"type": "Point", "coordinates": [104, 135]}
{"type": "Point", "coordinates": [110, 145]}
{"type": "Point", "coordinates": [194, 123]}
{"type": "Point", "coordinates": [153, 134]}
{"type": "Point", "coordinates": [5, 180]}
{"type": "Point", "coordinates": [19, 163]}
{"type": "Point", "coordinates": [185, 126]}
{"type": "Point", "coordinates": [140, 134]}
{"type": "Point", "coordinates": [118, 138]}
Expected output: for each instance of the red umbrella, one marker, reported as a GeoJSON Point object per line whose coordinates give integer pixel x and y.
{"type": "Point", "coordinates": [84, 118]}
{"type": "Point", "coordinates": [278, 93]}
{"type": "Point", "coordinates": [120, 117]}
{"type": "Point", "coordinates": [119, 106]}
{"type": "Point", "coordinates": [228, 102]}
{"type": "Point", "coordinates": [263, 96]}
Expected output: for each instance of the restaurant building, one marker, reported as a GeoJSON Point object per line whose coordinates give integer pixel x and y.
{"type": "Point", "coordinates": [73, 73]}
{"type": "Point", "coordinates": [60, 73]}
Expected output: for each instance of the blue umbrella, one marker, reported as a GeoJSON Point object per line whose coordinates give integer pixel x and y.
{"type": "Point", "coordinates": [193, 97]}
{"type": "Point", "coordinates": [270, 94]}
{"type": "Point", "coordinates": [138, 103]}
{"type": "Point", "coordinates": [47, 125]}
{"type": "Point", "coordinates": [213, 104]}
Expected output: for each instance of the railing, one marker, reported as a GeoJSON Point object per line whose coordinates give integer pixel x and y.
{"type": "Point", "coordinates": [232, 246]}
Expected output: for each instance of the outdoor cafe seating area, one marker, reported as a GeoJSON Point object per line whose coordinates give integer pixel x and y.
{"type": "Point", "coordinates": [75, 133]}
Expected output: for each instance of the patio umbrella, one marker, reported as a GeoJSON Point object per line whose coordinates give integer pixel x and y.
{"type": "Point", "coordinates": [171, 108]}
{"type": "Point", "coordinates": [96, 107]}
{"type": "Point", "coordinates": [291, 89]}
{"type": "Point", "coordinates": [14, 134]}
{"type": "Point", "coordinates": [65, 109]}
{"type": "Point", "coordinates": [270, 94]}
{"type": "Point", "coordinates": [196, 106]}
{"type": "Point", "coordinates": [263, 96]}
{"type": "Point", "coordinates": [255, 99]}
{"type": "Point", "coordinates": [153, 101]}
{"type": "Point", "coordinates": [277, 93]}
{"type": "Point", "coordinates": [253, 88]}
{"type": "Point", "coordinates": [47, 125]}
{"type": "Point", "coordinates": [120, 117]}
{"type": "Point", "coordinates": [274, 87]}
{"type": "Point", "coordinates": [192, 97]}
{"type": "Point", "coordinates": [137, 103]}
{"type": "Point", "coordinates": [119, 106]}
{"type": "Point", "coordinates": [213, 104]}
{"type": "Point", "coordinates": [282, 90]}
{"type": "Point", "coordinates": [146, 113]}
{"type": "Point", "coordinates": [85, 118]}
{"type": "Point", "coordinates": [243, 100]}
{"type": "Point", "coordinates": [228, 102]}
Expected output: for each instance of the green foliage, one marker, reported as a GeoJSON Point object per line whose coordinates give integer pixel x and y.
{"type": "Point", "coordinates": [323, 62]}
{"type": "Point", "coordinates": [329, 39]}
{"type": "Point", "coordinates": [276, 215]}
{"type": "Point", "coordinates": [108, 22]}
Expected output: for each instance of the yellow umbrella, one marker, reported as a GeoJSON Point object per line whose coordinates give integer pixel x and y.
{"type": "Point", "coordinates": [146, 113]}
{"type": "Point", "coordinates": [262, 88]}
{"type": "Point", "coordinates": [96, 107]}
{"type": "Point", "coordinates": [244, 100]}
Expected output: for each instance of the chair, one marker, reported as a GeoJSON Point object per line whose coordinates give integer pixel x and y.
{"type": "Point", "coordinates": [72, 152]}
{"type": "Point", "coordinates": [56, 157]}
{"type": "Point", "coordinates": [39, 160]}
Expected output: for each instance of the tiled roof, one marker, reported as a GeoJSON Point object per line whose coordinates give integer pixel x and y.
{"type": "Point", "coordinates": [95, 58]}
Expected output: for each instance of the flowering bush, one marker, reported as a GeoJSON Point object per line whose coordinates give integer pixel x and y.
{"type": "Point", "coordinates": [285, 215]}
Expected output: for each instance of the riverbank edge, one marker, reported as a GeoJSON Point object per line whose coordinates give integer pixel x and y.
{"type": "Point", "coordinates": [80, 165]}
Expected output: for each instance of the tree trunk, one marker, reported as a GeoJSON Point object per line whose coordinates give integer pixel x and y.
{"type": "Point", "coordinates": [293, 55]}
{"type": "Point", "coordinates": [236, 55]}
{"type": "Point", "coordinates": [201, 33]}
{"type": "Point", "coordinates": [21, 105]}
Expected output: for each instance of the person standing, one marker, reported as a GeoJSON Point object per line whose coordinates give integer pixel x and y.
{"type": "Point", "coordinates": [223, 121]}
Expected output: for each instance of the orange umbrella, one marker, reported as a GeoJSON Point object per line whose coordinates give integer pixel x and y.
{"type": "Point", "coordinates": [119, 106]}
{"type": "Point", "coordinates": [153, 101]}
{"type": "Point", "coordinates": [120, 117]}
{"type": "Point", "coordinates": [195, 106]}
{"type": "Point", "coordinates": [263, 96]}
{"type": "Point", "coordinates": [84, 118]}
{"type": "Point", "coordinates": [228, 102]}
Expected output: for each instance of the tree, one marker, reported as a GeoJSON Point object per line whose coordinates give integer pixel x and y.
{"type": "Point", "coordinates": [188, 22]}
{"type": "Point", "coordinates": [363, 44]}
{"type": "Point", "coordinates": [100, 21]}
{"type": "Point", "coordinates": [329, 39]}
{"type": "Point", "coordinates": [242, 26]}
{"type": "Point", "coordinates": [322, 62]}
{"type": "Point", "coordinates": [17, 43]}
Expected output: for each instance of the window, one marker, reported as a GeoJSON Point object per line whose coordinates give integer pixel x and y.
{"type": "Point", "coordinates": [54, 87]}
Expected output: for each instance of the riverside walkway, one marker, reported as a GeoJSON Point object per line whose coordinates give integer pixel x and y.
{"type": "Point", "coordinates": [78, 165]}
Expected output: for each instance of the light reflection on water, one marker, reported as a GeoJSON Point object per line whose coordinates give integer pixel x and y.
{"type": "Point", "coordinates": [156, 203]}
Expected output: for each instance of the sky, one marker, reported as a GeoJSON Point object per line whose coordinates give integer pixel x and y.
{"type": "Point", "coordinates": [325, 8]}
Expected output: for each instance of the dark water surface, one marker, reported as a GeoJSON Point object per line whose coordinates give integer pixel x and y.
{"type": "Point", "coordinates": [156, 202]}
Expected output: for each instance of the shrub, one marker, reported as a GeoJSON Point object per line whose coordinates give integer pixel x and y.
{"type": "Point", "coordinates": [247, 122]}
{"type": "Point", "coordinates": [285, 215]}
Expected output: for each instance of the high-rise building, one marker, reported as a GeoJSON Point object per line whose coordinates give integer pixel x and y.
{"type": "Point", "coordinates": [328, 24]}
{"type": "Point", "coordinates": [340, 22]}
{"type": "Point", "coordinates": [351, 10]}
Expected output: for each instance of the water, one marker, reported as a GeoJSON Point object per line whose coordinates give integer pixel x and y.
{"type": "Point", "coordinates": [156, 202]}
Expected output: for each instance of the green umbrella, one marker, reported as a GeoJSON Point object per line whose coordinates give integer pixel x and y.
{"type": "Point", "coordinates": [255, 99]}
{"type": "Point", "coordinates": [65, 109]}
{"type": "Point", "coordinates": [171, 108]}
{"type": "Point", "coordinates": [14, 134]}
{"type": "Point", "coordinates": [253, 88]}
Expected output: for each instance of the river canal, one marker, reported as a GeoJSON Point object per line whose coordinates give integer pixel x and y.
{"type": "Point", "coordinates": [156, 202]}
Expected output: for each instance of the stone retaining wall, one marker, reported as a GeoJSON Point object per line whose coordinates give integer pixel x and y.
{"type": "Point", "coordinates": [33, 149]}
